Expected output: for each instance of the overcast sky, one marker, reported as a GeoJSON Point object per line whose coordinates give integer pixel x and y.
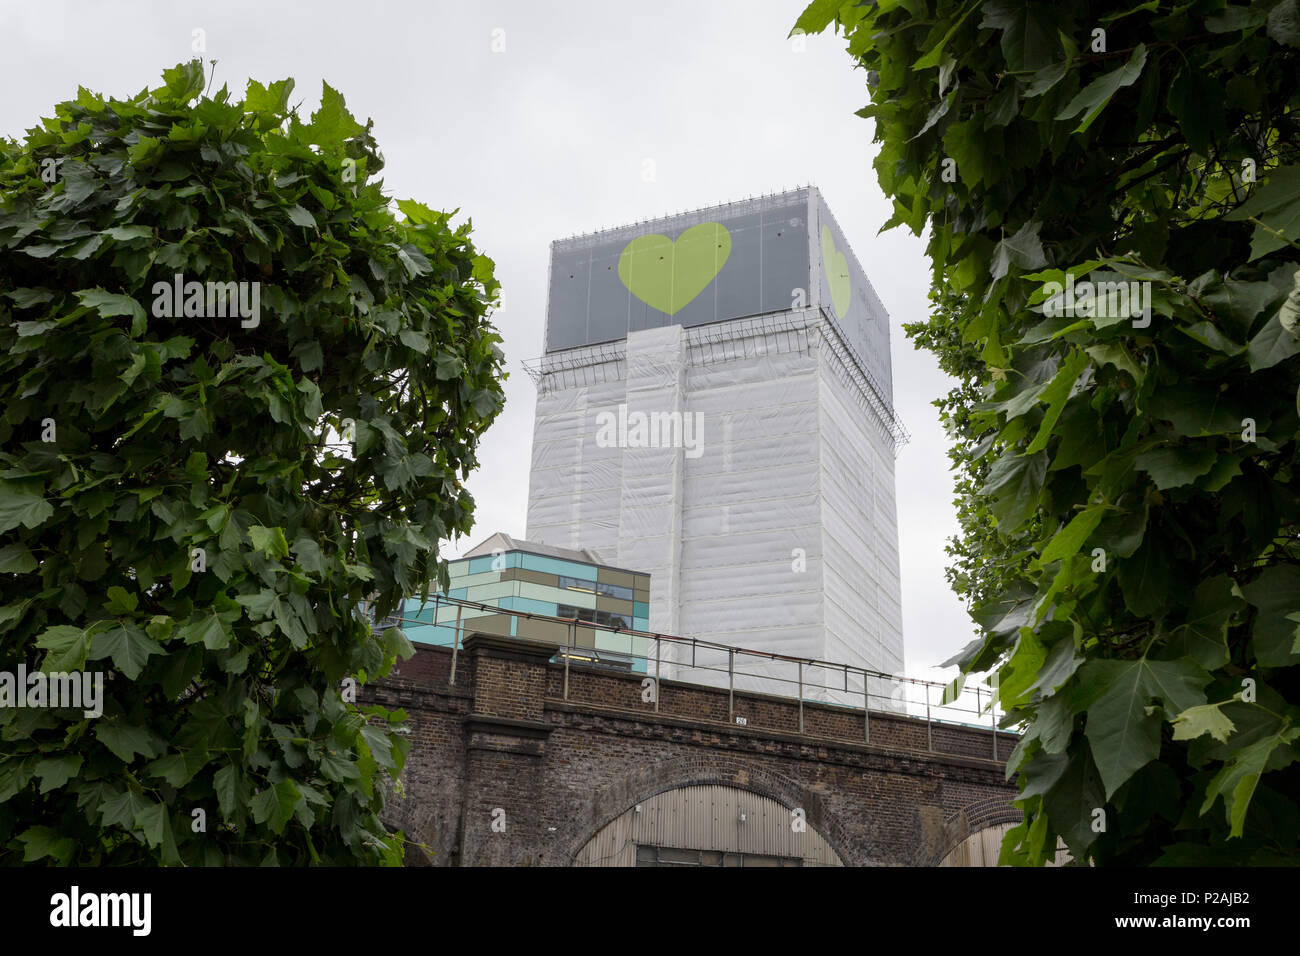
{"type": "Point", "coordinates": [547, 138]}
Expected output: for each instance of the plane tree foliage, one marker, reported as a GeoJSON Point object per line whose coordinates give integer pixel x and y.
{"type": "Point", "coordinates": [210, 509]}
{"type": "Point", "coordinates": [1126, 466]}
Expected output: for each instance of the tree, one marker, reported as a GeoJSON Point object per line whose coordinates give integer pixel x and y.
{"type": "Point", "coordinates": [985, 561]}
{"type": "Point", "coordinates": [239, 396]}
{"type": "Point", "coordinates": [1111, 192]}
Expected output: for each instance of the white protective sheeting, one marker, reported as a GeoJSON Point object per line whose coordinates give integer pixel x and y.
{"type": "Point", "coordinates": [769, 523]}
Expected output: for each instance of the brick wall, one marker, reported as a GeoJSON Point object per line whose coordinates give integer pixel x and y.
{"type": "Point", "coordinates": [504, 770]}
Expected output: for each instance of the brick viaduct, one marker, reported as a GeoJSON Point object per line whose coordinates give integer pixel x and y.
{"type": "Point", "coordinates": [503, 735]}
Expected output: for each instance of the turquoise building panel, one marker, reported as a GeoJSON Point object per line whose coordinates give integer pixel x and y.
{"type": "Point", "coordinates": [535, 562]}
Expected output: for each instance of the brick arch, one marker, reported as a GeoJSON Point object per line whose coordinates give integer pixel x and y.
{"type": "Point", "coordinates": [649, 781]}
{"type": "Point", "coordinates": [972, 819]}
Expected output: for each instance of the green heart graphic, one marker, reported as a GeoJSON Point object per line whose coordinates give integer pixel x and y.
{"type": "Point", "coordinates": [667, 275]}
{"type": "Point", "coordinates": [837, 274]}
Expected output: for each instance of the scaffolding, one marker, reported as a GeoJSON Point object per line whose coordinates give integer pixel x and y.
{"type": "Point", "coordinates": [732, 340]}
{"type": "Point", "coordinates": [578, 368]}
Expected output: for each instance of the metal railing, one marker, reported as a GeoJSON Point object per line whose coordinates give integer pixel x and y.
{"type": "Point", "coordinates": [687, 659]}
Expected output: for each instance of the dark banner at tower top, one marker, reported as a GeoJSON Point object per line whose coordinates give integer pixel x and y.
{"type": "Point", "coordinates": [771, 254]}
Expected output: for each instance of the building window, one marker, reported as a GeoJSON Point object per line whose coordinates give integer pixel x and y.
{"type": "Point", "coordinates": [595, 587]}
{"type": "Point", "coordinates": [601, 618]}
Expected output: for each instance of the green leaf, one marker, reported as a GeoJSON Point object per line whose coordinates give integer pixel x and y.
{"type": "Point", "coordinates": [1275, 594]}
{"type": "Point", "coordinates": [1195, 411]}
{"type": "Point", "coordinates": [122, 809]}
{"type": "Point", "coordinates": [1172, 467]}
{"type": "Point", "coordinates": [39, 842]}
{"type": "Point", "coordinates": [1062, 661]}
{"type": "Point", "coordinates": [86, 248]}
{"type": "Point", "coordinates": [210, 630]}
{"type": "Point", "coordinates": [1092, 99]}
{"type": "Point", "coordinates": [1014, 484]}
{"type": "Point", "coordinates": [43, 250]}
{"type": "Point", "coordinates": [380, 746]}
{"type": "Point", "coordinates": [1067, 542]}
{"type": "Point", "coordinates": [1151, 5]}
{"type": "Point", "coordinates": [1271, 345]}
{"type": "Point", "coordinates": [1203, 636]}
{"type": "Point", "coordinates": [1056, 394]}
{"type": "Point", "coordinates": [1226, 467]}
{"type": "Point", "coordinates": [121, 601]}
{"type": "Point", "coordinates": [1203, 719]}
{"type": "Point", "coordinates": [129, 233]}
{"type": "Point", "coordinates": [1284, 23]}
{"type": "Point", "coordinates": [1116, 694]}
{"type": "Point", "coordinates": [127, 645]}
{"type": "Point", "coordinates": [126, 740]}
{"type": "Point", "coordinates": [231, 790]}
{"type": "Point", "coordinates": [1112, 353]}
{"type": "Point", "coordinates": [1196, 100]}
{"type": "Point", "coordinates": [1021, 670]}
{"type": "Point", "coordinates": [16, 559]}
{"type": "Point", "coordinates": [1276, 204]}
{"type": "Point", "coordinates": [67, 647]}
{"type": "Point", "coordinates": [109, 304]}
{"type": "Point", "coordinates": [1046, 78]}
{"type": "Point", "coordinates": [177, 769]}
{"type": "Point", "coordinates": [301, 217]}
{"type": "Point", "coordinates": [184, 81]}
{"type": "Point", "coordinates": [270, 541]}
{"type": "Point", "coordinates": [1145, 578]}
{"type": "Point", "coordinates": [1042, 773]}
{"type": "Point", "coordinates": [953, 690]}
{"type": "Point", "coordinates": [414, 340]}
{"type": "Point", "coordinates": [260, 605]}
{"type": "Point", "coordinates": [309, 556]}
{"type": "Point", "coordinates": [274, 805]}
{"type": "Point", "coordinates": [1071, 801]}
{"type": "Point", "coordinates": [273, 99]}
{"type": "Point", "coordinates": [1236, 782]}
{"type": "Point", "coordinates": [1024, 249]}
{"type": "Point", "coordinates": [1029, 33]}
{"type": "Point", "coordinates": [55, 771]}
{"type": "Point", "coordinates": [414, 261]}
{"type": "Point", "coordinates": [153, 823]}
{"type": "Point", "coordinates": [252, 726]}
{"type": "Point", "coordinates": [935, 53]}
{"type": "Point", "coordinates": [21, 504]}
{"type": "Point", "coordinates": [1235, 18]}
{"type": "Point", "coordinates": [332, 123]}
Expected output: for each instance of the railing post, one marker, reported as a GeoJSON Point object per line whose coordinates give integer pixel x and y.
{"type": "Point", "coordinates": [801, 697]}
{"type": "Point", "coordinates": [657, 688]}
{"type": "Point", "coordinates": [929, 733]}
{"type": "Point", "coordinates": [731, 682]}
{"type": "Point", "coordinates": [993, 716]}
{"type": "Point", "coordinates": [866, 707]}
{"type": "Point", "coordinates": [455, 639]}
{"type": "Point", "coordinates": [572, 638]}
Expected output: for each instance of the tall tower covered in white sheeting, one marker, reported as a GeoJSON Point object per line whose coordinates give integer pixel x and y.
{"type": "Point", "coordinates": [715, 408]}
